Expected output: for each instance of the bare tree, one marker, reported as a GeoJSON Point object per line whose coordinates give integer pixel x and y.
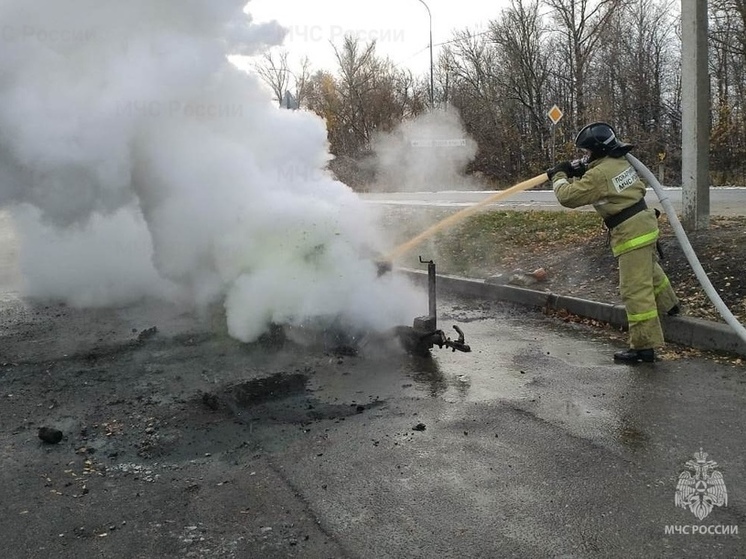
{"type": "Point", "coordinates": [616, 60]}
{"type": "Point", "coordinates": [582, 25]}
{"type": "Point", "coordinates": [475, 91]}
{"type": "Point", "coordinates": [728, 25]}
{"type": "Point", "coordinates": [375, 96]}
{"type": "Point", "coordinates": [444, 75]}
{"type": "Point", "coordinates": [635, 71]}
{"type": "Point", "coordinates": [524, 69]}
{"type": "Point", "coordinates": [728, 78]}
{"type": "Point", "coordinates": [273, 70]}
{"type": "Point", "coordinates": [357, 67]}
{"type": "Point", "coordinates": [302, 78]}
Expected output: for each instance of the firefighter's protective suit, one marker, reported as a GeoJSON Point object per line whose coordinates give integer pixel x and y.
{"type": "Point", "coordinates": [616, 192]}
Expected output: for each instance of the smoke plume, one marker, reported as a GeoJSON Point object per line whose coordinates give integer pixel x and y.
{"type": "Point", "coordinates": [138, 161]}
{"type": "Point", "coordinates": [427, 153]}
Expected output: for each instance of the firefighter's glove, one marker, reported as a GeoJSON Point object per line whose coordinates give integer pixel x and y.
{"type": "Point", "coordinates": [579, 167]}
{"type": "Point", "coordinates": [563, 167]}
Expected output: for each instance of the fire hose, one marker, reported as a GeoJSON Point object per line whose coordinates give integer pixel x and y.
{"type": "Point", "coordinates": [678, 230]}
{"type": "Point", "coordinates": [687, 248]}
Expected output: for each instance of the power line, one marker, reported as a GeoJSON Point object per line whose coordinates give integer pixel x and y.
{"type": "Point", "coordinates": [397, 64]}
{"type": "Point", "coordinates": [462, 38]}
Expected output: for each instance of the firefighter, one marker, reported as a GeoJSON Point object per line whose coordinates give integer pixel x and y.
{"type": "Point", "coordinates": [605, 179]}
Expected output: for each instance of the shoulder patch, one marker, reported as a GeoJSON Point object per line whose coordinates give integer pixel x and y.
{"type": "Point", "coordinates": [625, 179]}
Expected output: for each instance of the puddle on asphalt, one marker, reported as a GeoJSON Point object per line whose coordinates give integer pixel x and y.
{"type": "Point", "coordinates": [262, 390]}
{"type": "Point", "coordinates": [281, 398]}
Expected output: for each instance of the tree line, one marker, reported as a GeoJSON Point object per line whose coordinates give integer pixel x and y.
{"type": "Point", "coordinates": [613, 60]}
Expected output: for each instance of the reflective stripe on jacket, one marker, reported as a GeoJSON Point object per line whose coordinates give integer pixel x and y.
{"type": "Point", "coordinates": [611, 184]}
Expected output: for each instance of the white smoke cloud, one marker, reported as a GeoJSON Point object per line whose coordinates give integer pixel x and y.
{"type": "Point", "coordinates": [427, 153]}
{"type": "Point", "coordinates": [140, 162]}
{"type": "Point", "coordinates": [104, 262]}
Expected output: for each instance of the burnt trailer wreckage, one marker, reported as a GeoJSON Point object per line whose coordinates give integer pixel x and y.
{"type": "Point", "coordinates": [340, 338]}
{"type": "Point", "coordinates": [424, 334]}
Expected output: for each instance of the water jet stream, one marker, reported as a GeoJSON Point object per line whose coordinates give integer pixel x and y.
{"type": "Point", "coordinates": [463, 214]}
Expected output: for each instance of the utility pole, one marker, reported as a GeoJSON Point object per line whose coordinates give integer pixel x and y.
{"type": "Point", "coordinates": [695, 116]}
{"type": "Point", "coordinates": [432, 82]}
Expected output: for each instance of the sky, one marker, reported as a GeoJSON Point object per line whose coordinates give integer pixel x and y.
{"type": "Point", "coordinates": [401, 27]}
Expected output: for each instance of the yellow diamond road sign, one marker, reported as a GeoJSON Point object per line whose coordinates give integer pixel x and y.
{"type": "Point", "coordinates": [554, 114]}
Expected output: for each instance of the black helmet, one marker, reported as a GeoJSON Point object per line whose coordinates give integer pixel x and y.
{"type": "Point", "coordinates": [600, 139]}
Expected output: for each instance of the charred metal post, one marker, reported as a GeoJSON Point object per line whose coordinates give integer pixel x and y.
{"type": "Point", "coordinates": [431, 290]}
{"type": "Point", "coordinates": [429, 323]}
{"type": "Point", "coordinates": [424, 333]}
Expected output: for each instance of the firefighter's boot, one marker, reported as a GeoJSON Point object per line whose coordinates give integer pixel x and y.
{"type": "Point", "coordinates": [635, 356]}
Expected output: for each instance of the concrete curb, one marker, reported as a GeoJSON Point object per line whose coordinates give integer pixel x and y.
{"type": "Point", "coordinates": [683, 330]}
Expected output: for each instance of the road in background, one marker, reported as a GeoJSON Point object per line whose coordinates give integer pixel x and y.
{"type": "Point", "coordinates": [724, 201]}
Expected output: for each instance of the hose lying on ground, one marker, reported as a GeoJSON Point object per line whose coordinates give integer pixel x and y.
{"type": "Point", "coordinates": [687, 247]}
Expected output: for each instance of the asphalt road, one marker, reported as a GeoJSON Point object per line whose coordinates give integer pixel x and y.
{"type": "Point", "coordinates": [724, 201]}
{"type": "Point", "coordinates": [532, 445]}
{"type": "Point", "coordinates": [182, 442]}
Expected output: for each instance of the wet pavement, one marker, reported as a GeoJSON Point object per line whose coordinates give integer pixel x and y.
{"type": "Point", "coordinates": [178, 441]}
{"type": "Point", "coordinates": [181, 442]}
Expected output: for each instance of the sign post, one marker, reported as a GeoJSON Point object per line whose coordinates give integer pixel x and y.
{"type": "Point", "coordinates": [555, 115]}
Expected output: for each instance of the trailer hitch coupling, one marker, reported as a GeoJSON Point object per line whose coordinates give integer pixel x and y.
{"type": "Point", "coordinates": [425, 334]}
